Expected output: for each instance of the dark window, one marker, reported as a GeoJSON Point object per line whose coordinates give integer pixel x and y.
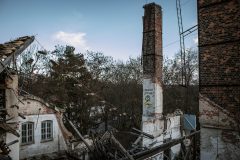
{"type": "Point", "coordinates": [47, 130]}
{"type": "Point", "coordinates": [27, 133]}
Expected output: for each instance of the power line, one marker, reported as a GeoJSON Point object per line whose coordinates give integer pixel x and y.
{"type": "Point", "coordinates": [171, 43]}
{"type": "Point", "coordinates": [174, 42]}
{"type": "Point", "coordinates": [190, 30]}
{"type": "Point", "coordinates": [40, 44]}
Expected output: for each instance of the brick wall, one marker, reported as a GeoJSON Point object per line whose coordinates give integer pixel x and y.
{"type": "Point", "coordinates": [219, 52]}
{"type": "Point", "coordinates": [152, 41]}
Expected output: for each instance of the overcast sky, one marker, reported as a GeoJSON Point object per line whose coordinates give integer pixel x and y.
{"type": "Point", "coordinates": [113, 27]}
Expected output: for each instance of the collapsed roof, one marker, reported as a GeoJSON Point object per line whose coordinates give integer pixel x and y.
{"type": "Point", "coordinates": [10, 50]}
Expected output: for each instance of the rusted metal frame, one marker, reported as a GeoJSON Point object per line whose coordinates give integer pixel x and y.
{"type": "Point", "coordinates": [145, 154]}
{"type": "Point", "coordinates": [16, 53]}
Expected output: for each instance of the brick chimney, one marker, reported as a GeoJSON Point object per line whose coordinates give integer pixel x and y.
{"type": "Point", "coordinates": [152, 60]}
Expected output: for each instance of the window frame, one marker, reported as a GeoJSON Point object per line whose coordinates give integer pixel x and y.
{"type": "Point", "coordinates": [27, 135]}
{"type": "Point", "coordinates": [44, 131]}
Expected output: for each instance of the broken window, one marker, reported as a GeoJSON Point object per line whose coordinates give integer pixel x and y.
{"type": "Point", "coordinates": [47, 130]}
{"type": "Point", "coordinates": [27, 133]}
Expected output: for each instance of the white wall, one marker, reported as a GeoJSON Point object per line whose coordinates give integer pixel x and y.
{"type": "Point", "coordinates": [11, 99]}
{"type": "Point", "coordinates": [153, 121]}
{"type": "Point", "coordinates": [39, 147]}
{"type": "Point", "coordinates": [14, 154]}
{"type": "Point", "coordinates": [156, 128]}
{"type": "Point", "coordinates": [174, 132]}
{"type": "Point", "coordinates": [152, 111]}
{"type": "Point", "coordinates": [154, 91]}
{"type": "Point", "coordinates": [214, 144]}
{"type": "Point", "coordinates": [218, 138]}
{"type": "Point", "coordinates": [153, 127]}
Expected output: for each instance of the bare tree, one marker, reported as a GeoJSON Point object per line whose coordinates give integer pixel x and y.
{"type": "Point", "coordinates": [172, 69]}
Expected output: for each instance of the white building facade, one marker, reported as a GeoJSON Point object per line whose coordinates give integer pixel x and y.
{"type": "Point", "coordinates": [42, 131]}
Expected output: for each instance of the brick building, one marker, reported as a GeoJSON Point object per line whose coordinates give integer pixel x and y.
{"type": "Point", "coordinates": [219, 78]}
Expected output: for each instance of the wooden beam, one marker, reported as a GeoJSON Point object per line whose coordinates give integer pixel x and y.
{"type": "Point", "coordinates": [79, 134]}
{"type": "Point", "coordinates": [154, 151]}
{"type": "Point", "coordinates": [143, 133]}
{"type": "Point", "coordinates": [4, 64]}
{"type": "Point", "coordinates": [125, 152]}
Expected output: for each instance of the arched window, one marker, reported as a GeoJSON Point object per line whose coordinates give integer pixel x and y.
{"type": "Point", "coordinates": [47, 130]}
{"type": "Point", "coordinates": [27, 133]}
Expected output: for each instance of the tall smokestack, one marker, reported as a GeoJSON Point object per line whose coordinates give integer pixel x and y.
{"type": "Point", "coordinates": [152, 122]}
{"type": "Point", "coordinates": [152, 61]}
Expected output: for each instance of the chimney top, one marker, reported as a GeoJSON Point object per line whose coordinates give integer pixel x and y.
{"type": "Point", "coordinates": [149, 5]}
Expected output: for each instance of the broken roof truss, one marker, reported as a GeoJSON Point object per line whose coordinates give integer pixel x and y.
{"type": "Point", "coordinates": [10, 50]}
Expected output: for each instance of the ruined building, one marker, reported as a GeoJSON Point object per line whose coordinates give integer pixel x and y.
{"type": "Point", "coordinates": [9, 115]}
{"type": "Point", "coordinates": [28, 126]}
{"type": "Point", "coordinates": [219, 78]}
{"type": "Point", "coordinates": [42, 130]}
